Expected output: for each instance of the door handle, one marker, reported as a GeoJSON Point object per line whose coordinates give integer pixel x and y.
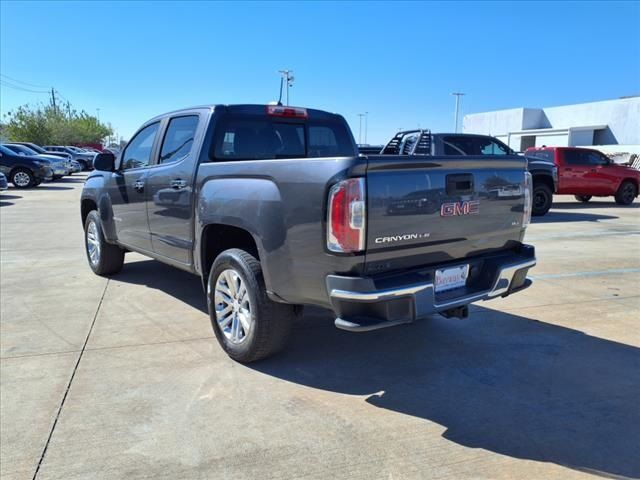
{"type": "Point", "coordinates": [178, 183]}
{"type": "Point", "coordinates": [138, 185]}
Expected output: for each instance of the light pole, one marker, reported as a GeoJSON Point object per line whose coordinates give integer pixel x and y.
{"type": "Point", "coordinates": [457, 95]}
{"type": "Point", "coordinates": [366, 126]}
{"type": "Point", "coordinates": [360, 129]}
{"type": "Point", "coordinates": [287, 76]}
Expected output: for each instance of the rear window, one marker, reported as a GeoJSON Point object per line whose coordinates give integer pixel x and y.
{"type": "Point", "coordinates": [261, 138]}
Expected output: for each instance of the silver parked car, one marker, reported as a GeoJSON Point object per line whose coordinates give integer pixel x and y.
{"type": "Point", "coordinates": [75, 166]}
{"type": "Point", "coordinates": [83, 158]}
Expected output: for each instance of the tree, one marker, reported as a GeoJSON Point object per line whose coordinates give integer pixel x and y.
{"type": "Point", "coordinates": [48, 125]}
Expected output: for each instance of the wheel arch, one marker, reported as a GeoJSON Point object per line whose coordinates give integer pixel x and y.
{"type": "Point", "coordinates": [543, 178]}
{"type": "Point", "coordinates": [632, 180]}
{"type": "Point", "coordinates": [19, 167]}
{"type": "Point", "coordinates": [103, 207]}
{"type": "Point", "coordinates": [218, 237]}
{"type": "Point", "coordinates": [86, 206]}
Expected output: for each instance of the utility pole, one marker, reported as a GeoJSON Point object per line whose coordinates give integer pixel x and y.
{"type": "Point", "coordinates": [287, 76]}
{"type": "Point", "coordinates": [457, 95]}
{"type": "Point", "coordinates": [366, 126]}
{"type": "Point", "coordinates": [360, 130]}
{"type": "Point", "coordinates": [53, 98]}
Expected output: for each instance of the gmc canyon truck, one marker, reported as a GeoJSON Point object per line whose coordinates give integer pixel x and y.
{"type": "Point", "coordinates": [544, 172]}
{"type": "Point", "coordinates": [274, 209]}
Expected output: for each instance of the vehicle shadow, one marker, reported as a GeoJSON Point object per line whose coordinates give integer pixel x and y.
{"type": "Point", "coordinates": [556, 217]}
{"type": "Point", "coordinates": [593, 204]}
{"type": "Point", "coordinates": [501, 382]}
{"type": "Point", "coordinates": [179, 284]}
{"type": "Point", "coordinates": [9, 197]}
{"type": "Point", "coordinates": [69, 180]}
{"type": "Point", "coordinates": [5, 204]}
{"type": "Point", "coordinates": [52, 187]}
{"type": "Point", "coordinates": [505, 383]}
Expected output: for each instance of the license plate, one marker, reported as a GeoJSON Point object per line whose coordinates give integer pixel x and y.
{"type": "Point", "coordinates": [450, 278]}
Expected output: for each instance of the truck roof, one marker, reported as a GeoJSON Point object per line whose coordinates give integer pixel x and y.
{"type": "Point", "coordinates": [537, 149]}
{"type": "Point", "coordinates": [247, 109]}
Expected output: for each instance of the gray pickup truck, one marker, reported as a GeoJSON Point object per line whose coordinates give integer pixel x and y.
{"type": "Point", "coordinates": [274, 209]}
{"type": "Point", "coordinates": [544, 173]}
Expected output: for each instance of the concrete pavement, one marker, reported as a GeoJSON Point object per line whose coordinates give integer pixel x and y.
{"type": "Point", "coordinates": [122, 378]}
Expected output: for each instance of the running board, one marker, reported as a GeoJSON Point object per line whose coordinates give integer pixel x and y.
{"type": "Point", "coordinates": [367, 327]}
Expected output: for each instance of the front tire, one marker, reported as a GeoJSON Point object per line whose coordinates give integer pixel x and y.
{"type": "Point", "coordinates": [23, 178]}
{"type": "Point", "coordinates": [248, 325]}
{"type": "Point", "coordinates": [104, 258]}
{"type": "Point", "coordinates": [626, 193]}
{"type": "Point", "coordinates": [542, 199]}
{"type": "Point", "coordinates": [583, 198]}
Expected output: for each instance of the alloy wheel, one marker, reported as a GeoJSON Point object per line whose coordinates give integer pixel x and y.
{"type": "Point", "coordinates": [93, 243]}
{"type": "Point", "coordinates": [232, 306]}
{"type": "Point", "coordinates": [22, 179]}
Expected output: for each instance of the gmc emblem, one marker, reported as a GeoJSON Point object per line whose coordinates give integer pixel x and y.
{"type": "Point", "coordinates": [465, 207]}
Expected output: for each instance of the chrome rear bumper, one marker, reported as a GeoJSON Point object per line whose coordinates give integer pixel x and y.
{"type": "Point", "coordinates": [360, 304]}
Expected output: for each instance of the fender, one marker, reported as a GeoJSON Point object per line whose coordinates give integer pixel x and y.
{"type": "Point", "coordinates": [95, 190]}
{"type": "Point", "coordinates": [252, 204]}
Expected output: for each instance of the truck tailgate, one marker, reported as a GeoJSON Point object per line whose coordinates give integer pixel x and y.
{"type": "Point", "coordinates": [427, 210]}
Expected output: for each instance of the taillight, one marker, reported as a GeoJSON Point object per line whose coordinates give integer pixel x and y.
{"type": "Point", "coordinates": [528, 199]}
{"type": "Point", "coordinates": [283, 111]}
{"type": "Point", "coordinates": [347, 216]}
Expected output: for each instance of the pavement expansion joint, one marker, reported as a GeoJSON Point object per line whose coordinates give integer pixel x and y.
{"type": "Point", "coordinates": [66, 392]}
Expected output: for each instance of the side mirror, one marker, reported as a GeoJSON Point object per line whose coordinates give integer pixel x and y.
{"type": "Point", "coordinates": [105, 162]}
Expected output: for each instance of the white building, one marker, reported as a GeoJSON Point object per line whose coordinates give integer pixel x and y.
{"type": "Point", "coordinates": [611, 122]}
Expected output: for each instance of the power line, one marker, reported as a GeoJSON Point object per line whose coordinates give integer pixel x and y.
{"type": "Point", "coordinates": [17, 87]}
{"type": "Point", "coordinates": [21, 82]}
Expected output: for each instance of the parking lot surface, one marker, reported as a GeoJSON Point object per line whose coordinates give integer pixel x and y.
{"type": "Point", "coordinates": [123, 378]}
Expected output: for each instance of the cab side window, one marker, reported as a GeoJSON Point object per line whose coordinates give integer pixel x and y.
{"type": "Point", "coordinates": [491, 147]}
{"type": "Point", "coordinates": [595, 159]}
{"type": "Point", "coordinates": [574, 157]}
{"type": "Point", "coordinates": [138, 152]}
{"type": "Point", "coordinates": [178, 140]}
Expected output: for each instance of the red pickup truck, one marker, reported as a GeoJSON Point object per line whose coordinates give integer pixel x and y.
{"type": "Point", "coordinates": [587, 173]}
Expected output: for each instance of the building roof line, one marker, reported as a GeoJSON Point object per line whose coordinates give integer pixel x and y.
{"type": "Point", "coordinates": [559, 131]}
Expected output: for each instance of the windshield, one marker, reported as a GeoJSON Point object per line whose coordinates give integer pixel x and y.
{"type": "Point", "coordinates": [22, 149]}
{"type": "Point", "coordinates": [36, 148]}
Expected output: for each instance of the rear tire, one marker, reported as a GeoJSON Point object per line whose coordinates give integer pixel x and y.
{"type": "Point", "coordinates": [583, 198]}
{"type": "Point", "coordinates": [104, 258]}
{"type": "Point", "coordinates": [248, 324]}
{"type": "Point", "coordinates": [23, 178]}
{"type": "Point", "coordinates": [626, 193]}
{"type": "Point", "coordinates": [542, 199]}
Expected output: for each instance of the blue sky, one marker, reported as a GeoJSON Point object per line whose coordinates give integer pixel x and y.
{"type": "Point", "coordinates": [399, 61]}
